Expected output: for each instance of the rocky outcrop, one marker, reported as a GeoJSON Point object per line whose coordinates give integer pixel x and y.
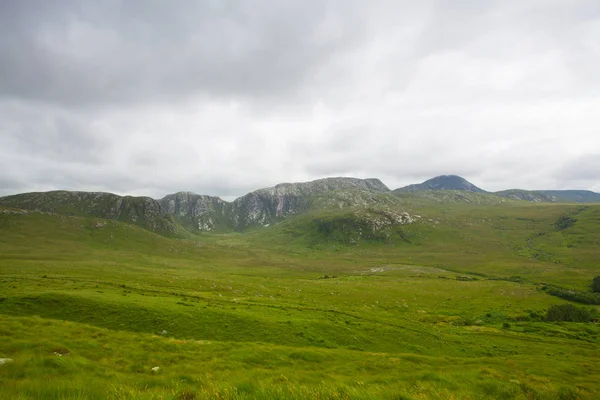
{"type": "Point", "coordinates": [265, 206]}
{"type": "Point", "coordinates": [142, 211]}
{"type": "Point", "coordinates": [199, 212]}
{"type": "Point", "coordinates": [192, 211]}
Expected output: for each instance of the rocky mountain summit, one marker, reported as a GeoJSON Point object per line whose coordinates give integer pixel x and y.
{"type": "Point", "coordinates": [443, 182]}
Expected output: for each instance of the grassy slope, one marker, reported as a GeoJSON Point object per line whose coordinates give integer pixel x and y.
{"type": "Point", "coordinates": [250, 315]}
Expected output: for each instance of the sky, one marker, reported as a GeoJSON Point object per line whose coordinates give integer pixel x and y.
{"type": "Point", "coordinates": [150, 97]}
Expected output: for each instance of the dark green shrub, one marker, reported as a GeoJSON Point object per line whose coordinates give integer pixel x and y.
{"type": "Point", "coordinates": [596, 284]}
{"type": "Point", "coordinates": [564, 222]}
{"type": "Point", "coordinates": [573, 295]}
{"type": "Point", "coordinates": [568, 313]}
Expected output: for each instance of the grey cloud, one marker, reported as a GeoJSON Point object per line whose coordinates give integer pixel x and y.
{"type": "Point", "coordinates": [75, 52]}
{"type": "Point", "coordinates": [223, 97]}
{"type": "Point", "coordinates": [49, 134]}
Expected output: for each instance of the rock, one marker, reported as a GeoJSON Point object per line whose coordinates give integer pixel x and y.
{"type": "Point", "coordinates": [15, 212]}
{"type": "Point", "coordinates": [164, 333]}
{"type": "Point", "coordinates": [155, 369]}
{"type": "Point", "coordinates": [5, 361]}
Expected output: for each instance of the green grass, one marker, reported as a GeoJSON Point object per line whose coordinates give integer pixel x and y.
{"type": "Point", "coordinates": [294, 311]}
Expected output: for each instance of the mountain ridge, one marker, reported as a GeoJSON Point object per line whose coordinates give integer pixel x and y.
{"type": "Point", "coordinates": [192, 211]}
{"type": "Point", "coordinates": [263, 207]}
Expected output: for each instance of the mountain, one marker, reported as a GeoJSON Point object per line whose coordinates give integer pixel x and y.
{"type": "Point", "coordinates": [196, 212]}
{"type": "Point", "coordinates": [265, 206]}
{"type": "Point", "coordinates": [536, 196]}
{"type": "Point", "coordinates": [143, 211]}
{"type": "Point", "coordinates": [457, 183]}
{"type": "Point", "coordinates": [443, 182]}
{"type": "Point", "coordinates": [361, 201]}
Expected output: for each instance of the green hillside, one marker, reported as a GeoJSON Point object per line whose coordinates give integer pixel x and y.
{"type": "Point", "coordinates": [450, 304]}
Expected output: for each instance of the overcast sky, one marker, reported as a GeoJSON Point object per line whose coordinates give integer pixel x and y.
{"type": "Point", "coordinates": [149, 97]}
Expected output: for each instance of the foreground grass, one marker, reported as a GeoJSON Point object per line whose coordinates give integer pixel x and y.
{"type": "Point", "coordinates": [87, 312]}
{"type": "Point", "coordinates": [80, 361]}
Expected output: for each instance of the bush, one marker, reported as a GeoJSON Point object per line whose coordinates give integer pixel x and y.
{"type": "Point", "coordinates": [564, 222]}
{"type": "Point", "coordinates": [573, 295]}
{"type": "Point", "coordinates": [568, 313]}
{"type": "Point", "coordinates": [596, 284]}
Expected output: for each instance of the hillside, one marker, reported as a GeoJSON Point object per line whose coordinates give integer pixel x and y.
{"type": "Point", "coordinates": [142, 211]}
{"type": "Point", "coordinates": [184, 213]}
{"type": "Point", "coordinates": [527, 195]}
{"type": "Point", "coordinates": [552, 196]}
{"type": "Point", "coordinates": [574, 196]}
{"type": "Point", "coordinates": [459, 184]}
{"type": "Point", "coordinates": [91, 306]}
{"type": "Point", "coordinates": [193, 212]}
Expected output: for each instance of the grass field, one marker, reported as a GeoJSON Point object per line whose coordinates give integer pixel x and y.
{"type": "Point", "coordinates": [449, 307]}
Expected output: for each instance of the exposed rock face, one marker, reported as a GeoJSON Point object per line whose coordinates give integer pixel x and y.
{"type": "Point", "coordinates": [142, 211]}
{"type": "Point", "coordinates": [326, 185]}
{"type": "Point", "coordinates": [444, 182]}
{"type": "Point", "coordinates": [265, 206]}
{"type": "Point", "coordinates": [201, 212]}
{"type": "Point", "coordinates": [192, 211]}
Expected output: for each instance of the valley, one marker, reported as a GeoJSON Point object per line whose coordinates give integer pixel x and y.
{"type": "Point", "coordinates": [336, 289]}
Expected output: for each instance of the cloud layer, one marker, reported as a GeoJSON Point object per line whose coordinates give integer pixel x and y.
{"type": "Point", "coordinates": [152, 97]}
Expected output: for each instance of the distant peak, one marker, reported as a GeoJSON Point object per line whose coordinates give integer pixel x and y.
{"type": "Point", "coordinates": [444, 182]}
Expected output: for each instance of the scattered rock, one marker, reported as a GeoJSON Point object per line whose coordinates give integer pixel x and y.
{"type": "Point", "coordinates": [5, 361]}
{"type": "Point", "coordinates": [15, 212]}
{"type": "Point", "coordinates": [61, 352]}
{"type": "Point", "coordinates": [164, 333]}
{"type": "Point", "coordinates": [155, 369]}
